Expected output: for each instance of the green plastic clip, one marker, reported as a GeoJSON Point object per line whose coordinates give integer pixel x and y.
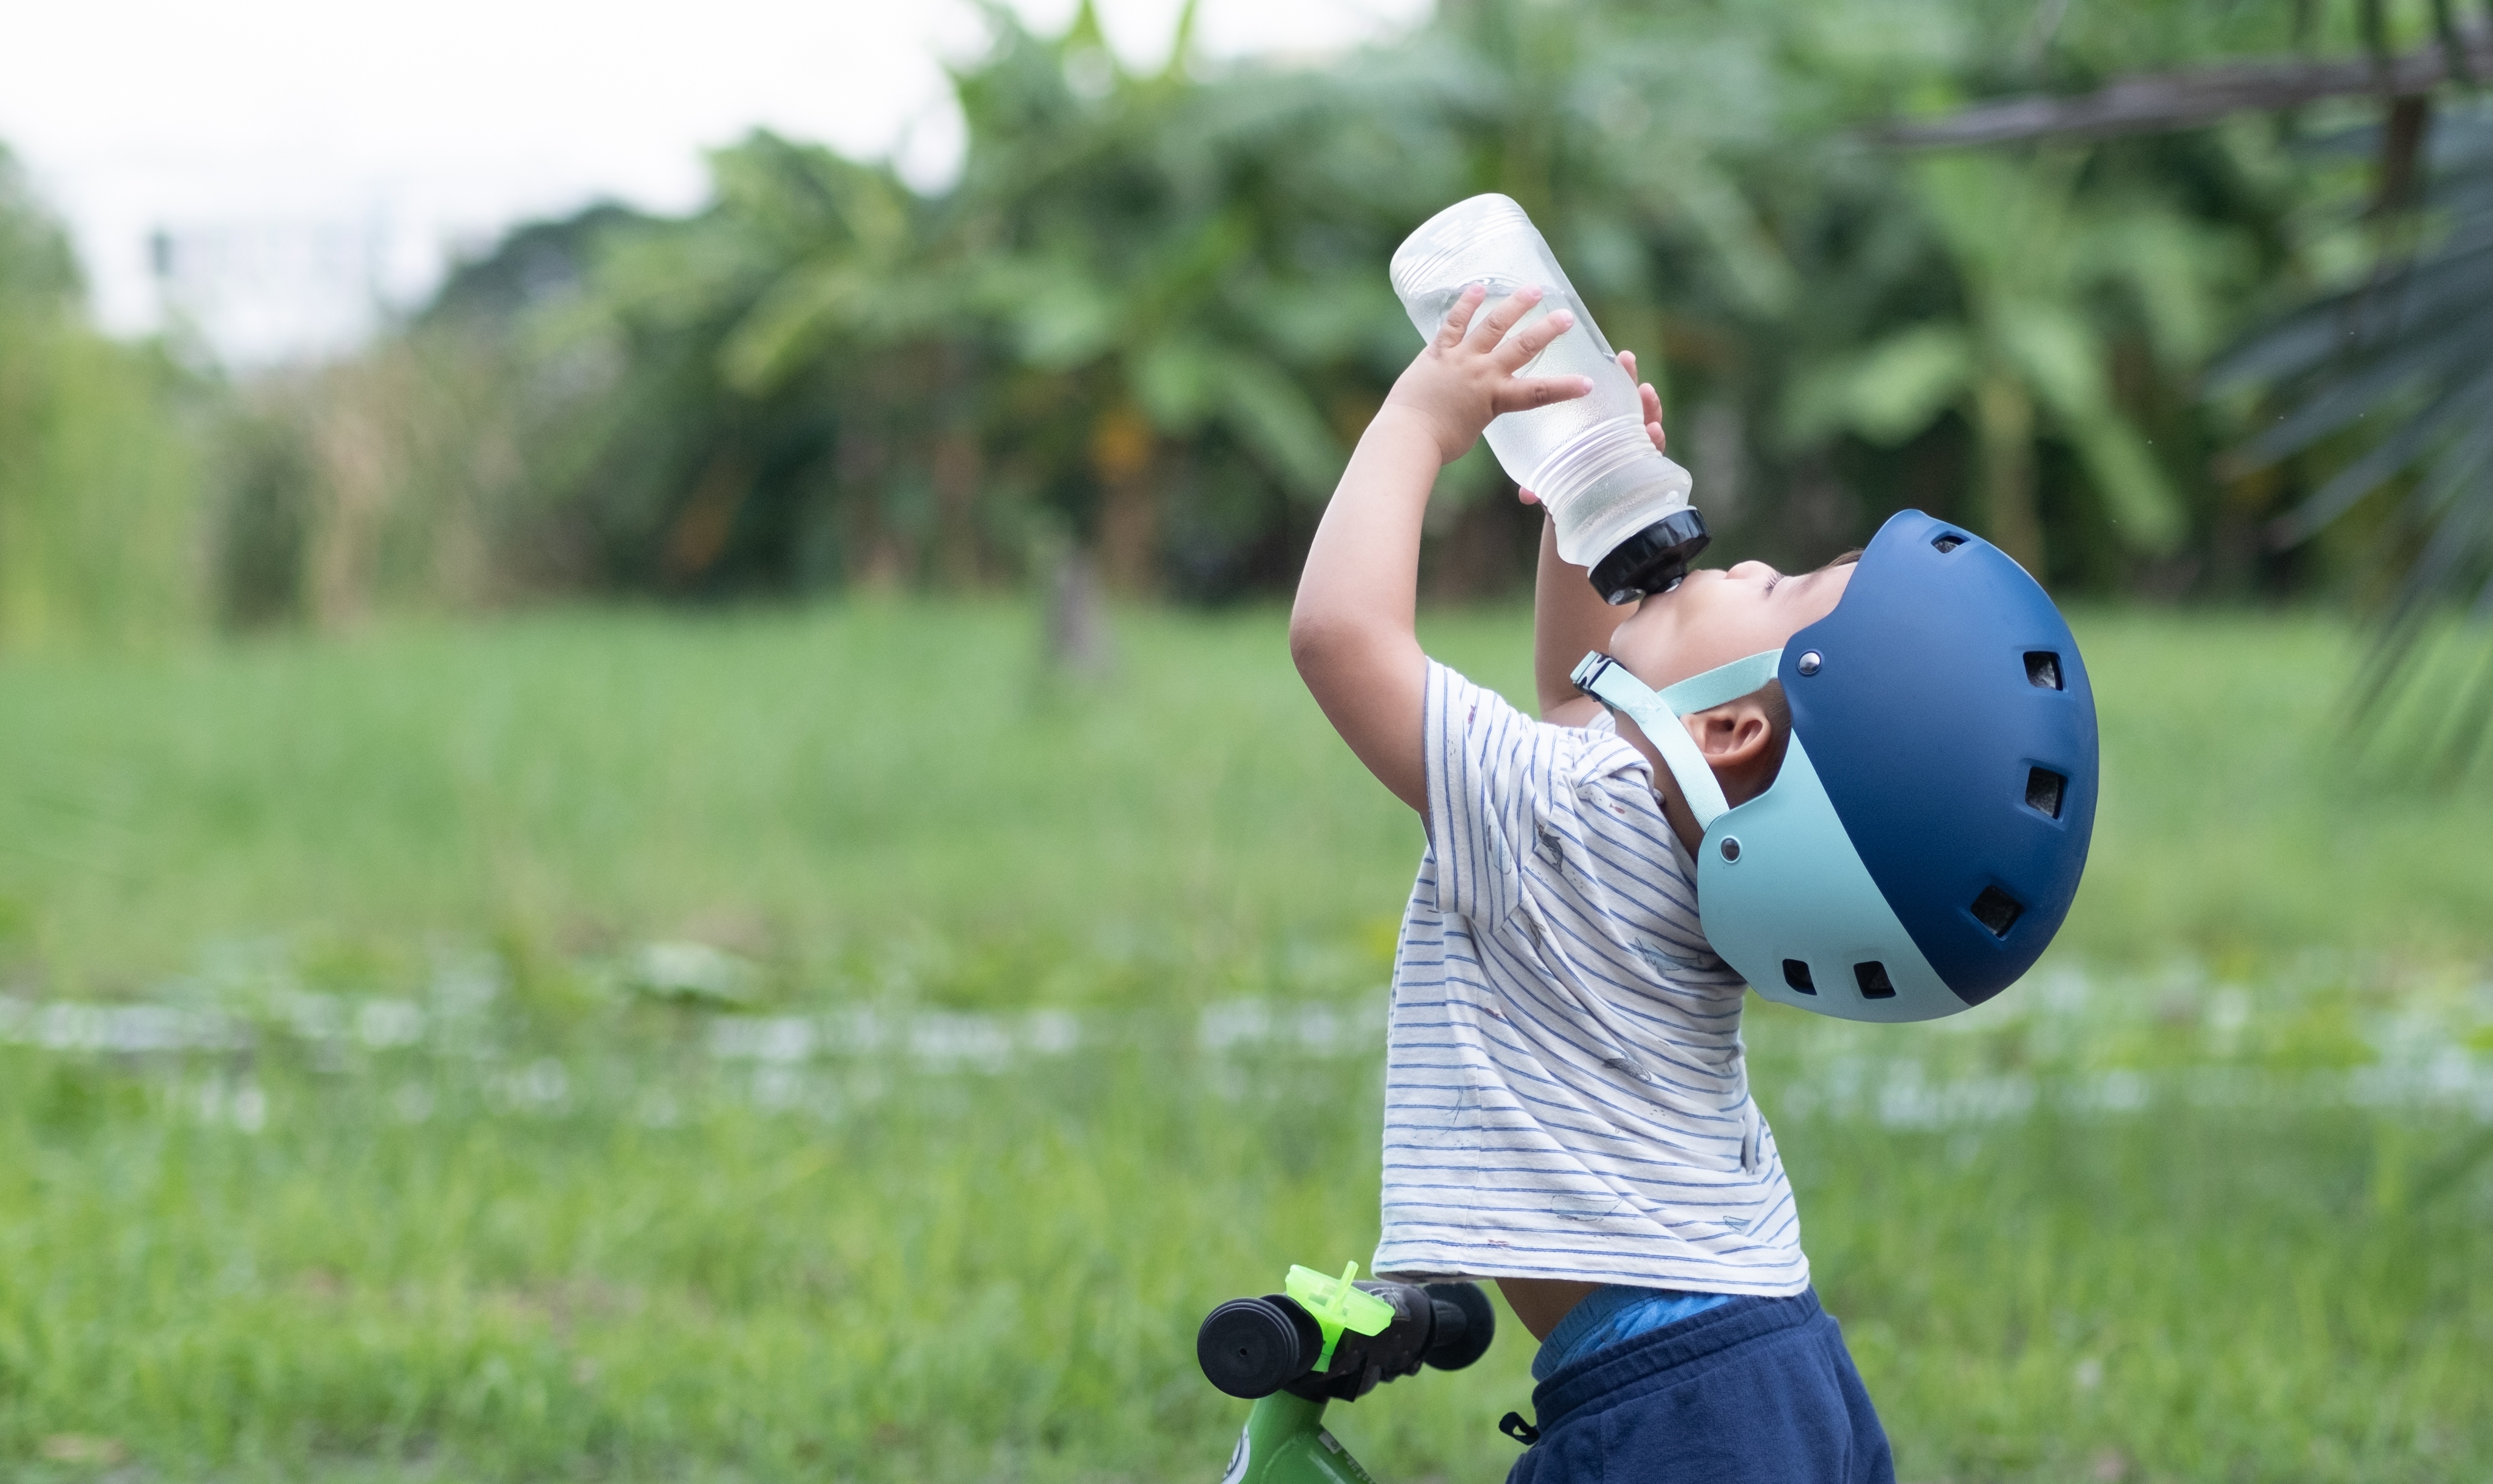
{"type": "Point", "coordinates": [1337, 1306]}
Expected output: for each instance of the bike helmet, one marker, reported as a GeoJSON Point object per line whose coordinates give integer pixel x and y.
{"type": "Point", "coordinates": [1925, 835]}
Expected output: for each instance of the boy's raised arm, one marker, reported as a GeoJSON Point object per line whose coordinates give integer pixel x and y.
{"type": "Point", "coordinates": [1569, 618]}
{"type": "Point", "coordinates": [1351, 630]}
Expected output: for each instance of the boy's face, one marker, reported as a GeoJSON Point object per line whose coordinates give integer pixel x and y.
{"type": "Point", "coordinates": [1716, 617]}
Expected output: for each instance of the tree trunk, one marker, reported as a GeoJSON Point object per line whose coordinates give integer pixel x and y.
{"type": "Point", "coordinates": [1078, 639]}
{"type": "Point", "coordinates": [960, 468]}
{"type": "Point", "coordinates": [1128, 535]}
{"type": "Point", "coordinates": [2003, 418]}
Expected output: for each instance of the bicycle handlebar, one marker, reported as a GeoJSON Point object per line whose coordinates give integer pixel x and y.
{"type": "Point", "coordinates": [1251, 1347]}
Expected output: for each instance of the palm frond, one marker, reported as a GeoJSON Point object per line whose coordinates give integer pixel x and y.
{"type": "Point", "coordinates": [2410, 354]}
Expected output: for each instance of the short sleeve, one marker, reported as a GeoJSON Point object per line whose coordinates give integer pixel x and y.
{"type": "Point", "coordinates": [1497, 778]}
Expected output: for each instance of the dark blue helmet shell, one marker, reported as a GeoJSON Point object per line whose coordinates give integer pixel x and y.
{"type": "Point", "coordinates": [1951, 722]}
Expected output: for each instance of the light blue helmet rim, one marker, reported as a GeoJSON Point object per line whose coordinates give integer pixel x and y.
{"type": "Point", "coordinates": [1780, 890]}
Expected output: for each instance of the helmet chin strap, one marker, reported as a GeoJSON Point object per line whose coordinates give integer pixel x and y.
{"type": "Point", "coordinates": [1658, 713]}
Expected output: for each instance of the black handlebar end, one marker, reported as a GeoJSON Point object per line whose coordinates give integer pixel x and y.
{"type": "Point", "coordinates": [1251, 1347]}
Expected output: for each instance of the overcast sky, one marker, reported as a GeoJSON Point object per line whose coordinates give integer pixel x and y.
{"type": "Point", "coordinates": [303, 154]}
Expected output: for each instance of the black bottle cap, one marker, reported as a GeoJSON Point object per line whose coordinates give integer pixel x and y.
{"type": "Point", "coordinates": [1653, 559]}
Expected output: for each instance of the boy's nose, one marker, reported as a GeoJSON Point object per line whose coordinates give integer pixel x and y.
{"type": "Point", "coordinates": [1750, 572]}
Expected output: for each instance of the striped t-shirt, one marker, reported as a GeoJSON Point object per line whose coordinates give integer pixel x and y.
{"type": "Point", "coordinates": [1565, 1092]}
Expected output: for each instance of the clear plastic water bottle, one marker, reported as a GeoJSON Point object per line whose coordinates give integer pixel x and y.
{"type": "Point", "coordinates": [1621, 508]}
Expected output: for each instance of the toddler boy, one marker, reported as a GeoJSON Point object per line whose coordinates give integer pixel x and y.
{"type": "Point", "coordinates": [1567, 1106]}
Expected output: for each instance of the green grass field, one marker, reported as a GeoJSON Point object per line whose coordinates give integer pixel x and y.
{"type": "Point", "coordinates": [352, 1128]}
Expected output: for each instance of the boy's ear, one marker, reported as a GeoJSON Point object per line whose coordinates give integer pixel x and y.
{"type": "Point", "coordinates": [1739, 743]}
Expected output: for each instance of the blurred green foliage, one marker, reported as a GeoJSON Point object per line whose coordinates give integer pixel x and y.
{"type": "Point", "coordinates": [1151, 316]}
{"type": "Point", "coordinates": [101, 488]}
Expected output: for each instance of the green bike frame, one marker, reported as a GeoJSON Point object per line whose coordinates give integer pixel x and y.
{"type": "Point", "coordinates": [1286, 1443]}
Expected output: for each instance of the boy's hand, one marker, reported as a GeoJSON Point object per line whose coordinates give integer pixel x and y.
{"type": "Point", "coordinates": [1652, 419]}
{"type": "Point", "coordinates": [1467, 376]}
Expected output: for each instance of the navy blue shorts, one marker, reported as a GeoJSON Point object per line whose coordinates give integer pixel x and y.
{"type": "Point", "coordinates": [1760, 1390]}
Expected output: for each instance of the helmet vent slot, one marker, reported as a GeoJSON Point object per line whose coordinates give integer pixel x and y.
{"type": "Point", "coordinates": [1997, 910]}
{"type": "Point", "coordinates": [2042, 669]}
{"type": "Point", "coordinates": [1872, 979]}
{"type": "Point", "coordinates": [1796, 976]}
{"type": "Point", "coordinates": [2043, 790]}
{"type": "Point", "coordinates": [1948, 543]}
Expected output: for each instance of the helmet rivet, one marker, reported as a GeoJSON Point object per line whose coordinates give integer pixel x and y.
{"type": "Point", "coordinates": [1730, 847]}
{"type": "Point", "coordinates": [1809, 662]}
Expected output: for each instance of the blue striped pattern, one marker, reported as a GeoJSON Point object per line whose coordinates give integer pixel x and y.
{"type": "Point", "coordinates": [1565, 1091]}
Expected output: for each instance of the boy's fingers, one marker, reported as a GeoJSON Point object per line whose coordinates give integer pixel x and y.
{"type": "Point", "coordinates": [1528, 496]}
{"type": "Point", "coordinates": [1503, 315]}
{"type": "Point", "coordinates": [1459, 317]}
{"type": "Point", "coordinates": [1518, 352]}
{"type": "Point", "coordinates": [1627, 363]}
{"type": "Point", "coordinates": [1517, 394]}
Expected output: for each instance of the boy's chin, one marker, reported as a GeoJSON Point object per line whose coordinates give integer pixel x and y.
{"type": "Point", "coordinates": [1648, 634]}
{"type": "Point", "coordinates": [1652, 644]}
